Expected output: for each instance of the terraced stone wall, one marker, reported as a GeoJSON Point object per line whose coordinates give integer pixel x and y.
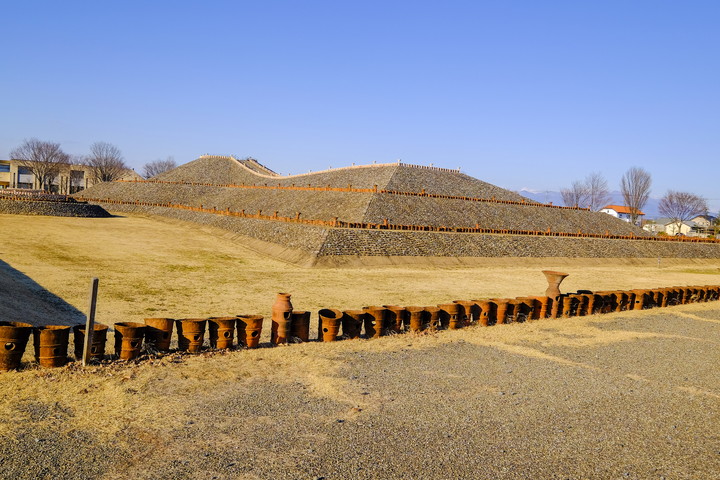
{"type": "Point", "coordinates": [55, 209]}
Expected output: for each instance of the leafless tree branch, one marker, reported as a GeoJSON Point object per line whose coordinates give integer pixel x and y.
{"type": "Point", "coordinates": [635, 188]}
{"type": "Point", "coordinates": [45, 159]}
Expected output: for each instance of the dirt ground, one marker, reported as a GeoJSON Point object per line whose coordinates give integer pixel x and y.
{"type": "Point", "coordinates": [626, 395]}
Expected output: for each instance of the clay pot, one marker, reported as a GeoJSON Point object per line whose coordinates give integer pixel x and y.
{"type": "Point", "coordinates": [486, 316]}
{"type": "Point", "coordinates": [300, 326]}
{"type": "Point", "coordinates": [158, 333]}
{"type": "Point", "coordinates": [281, 319]}
{"type": "Point", "coordinates": [451, 315]}
{"type": "Point", "coordinates": [13, 340]}
{"type": "Point", "coordinates": [249, 328]}
{"type": "Point", "coordinates": [128, 339]}
{"type": "Point", "coordinates": [51, 345]}
{"type": "Point", "coordinates": [99, 338]}
{"type": "Point", "coordinates": [330, 320]}
{"type": "Point", "coordinates": [417, 318]}
{"type": "Point", "coordinates": [222, 331]}
{"type": "Point", "coordinates": [352, 322]}
{"type": "Point", "coordinates": [395, 318]}
{"type": "Point", "coordinates": [191, 334]}
{"type": "Point", "coordinates": [375, 321]}
{"type": "Point", "coordinates": [554, 280]}
{"type": "Point", "coordinates": [433, 318]}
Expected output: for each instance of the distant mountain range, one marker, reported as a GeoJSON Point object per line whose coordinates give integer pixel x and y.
{"type": "Point", "coordinates": [650, 210]}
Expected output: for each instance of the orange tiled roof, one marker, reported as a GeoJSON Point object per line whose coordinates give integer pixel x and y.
{"type": "Point", "coordinates": [621, 209]}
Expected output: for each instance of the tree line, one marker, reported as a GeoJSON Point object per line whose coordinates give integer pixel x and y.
{"type": "Point", "coordinates": [635, 187]}
{"type": "Point", "coordinates": [47, 159]}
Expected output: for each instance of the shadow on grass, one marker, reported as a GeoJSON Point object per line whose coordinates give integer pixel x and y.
{"type": "Point", "coordinates": [22, 299]}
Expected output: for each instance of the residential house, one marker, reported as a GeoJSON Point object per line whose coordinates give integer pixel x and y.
{"type": "Point", "coordinates": [620, 211]}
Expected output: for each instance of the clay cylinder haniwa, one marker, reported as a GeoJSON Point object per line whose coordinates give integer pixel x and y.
{"type": "Point", "coordinates": [639, 302]}
{"type": "Point", "coordinates": [590, 303]}
{"type": "Point", "coordinates": [567, 302]}
{"type": "Point", "coordinates": [374, 321]}
{"type": "Point", "coordinates": [352, 322]}
{"type": "Point", "coordinates": [469, 313]}
{"type": "Point", "coordinates": [191, 334]}
{"type": "Point", "coordinates": [158, 333]}
{"type": "Point", "coordinates": [433, 318]}
{"type": "Point", "coordinates": [281, 318]}
{"type": "Point", "coordinates": [330, 320]}
{"type": "Point", "coordinates": [249, 328]}
{"type": "Point", "coordinates": [501, 310]}
{"type": "Point", "coordinates": [99, 338]}
{"type": "Point", "coordinates": [222, 331]}
{"type": "Point", "coordinates": [541, 307]}
{"type": "Point", "coordinates": [524, 308]}
{"type": "Point", "coordinates": [300, 325]}
{"type": "Point", "coordinates": [450, 315]}
{"type": "Point", "coordinates": [128, 339]}
{"type": "Point", "coordinates": [13, 340]}
{"type": "Point", "coordinates": [417, 318]}
{"type": "Point", "coordinates": [51, 345]}
{"type": "Point", "coordinates": [554, 280]}
{"type": "Point", "coordinates": [395, 317]}
{"type": "Point", "coordinates": [485, 316]}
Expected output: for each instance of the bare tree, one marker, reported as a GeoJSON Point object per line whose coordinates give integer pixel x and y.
{"type": "Point", "coordinates": [635, 189]}
{"type": "Point", "coordinates": [681, 207]}
{"type": "Point", "coordinates": [106, 162]}
{"type": "Point", "coordinates": [152, 169]}
{"type": "Point", "coordinates": [45, 159]}
{"type": "Point", "coordinates": [597, 190]}
{"type": "Point", "coordinates": [576, 195]}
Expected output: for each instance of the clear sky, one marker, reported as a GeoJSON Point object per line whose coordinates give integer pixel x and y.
{"type": "Point", "coordinates": [522, 94]}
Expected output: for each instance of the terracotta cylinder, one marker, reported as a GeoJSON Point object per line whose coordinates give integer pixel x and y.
{"type": "Point", "coordinates": [590, 303]}
{"type": "Point", "coordinates": [281, 319]}
{"type": "Point", "coordinates": [158, 333]}
{"type": "Point", "coordinates": [51, 345]}
{"type": "Point", "coordinates": [501, 311]}
{"type": "Point", "coordinates": [249, 328]}
{"type": "Point", "coordinates": [451, 315]}
{"type": "Point", "coordinates": [579, 304]}
{"type": "Point", "coordinates": [417, 318]}
{"type": "Point", "coordinates": [300, 326]}
{"type": "Point", "coordinates": [640, 296]}
{"type": "Point", "coordinates": [128, 339]}
{"type": "Point", "coordinates": [470, 311]}
{"type": "Point", "coordinates": [433, 318]}
{"type": "Point", "coordinates": [330, 320]}
{"type": "Point", "coordinates": [352, 322]}
{"type": "Point", "coordinates": [541, 307]}
{"type": "Point", "coordinates": [13, 340]}
{"type": "Point", "coordinates": [191, 334]}
{"type": "Point", "coordinates": [395, 318]}
{"type": "Point", "coordinates": [222, 331]}
{"type": "Point", "coordinates": [524, 309]}
{"type": "Point", "coordinates": [99, 338]}
{"type": "Point", "coordinates": [567, 302]}
{"type": "Point", "coordinates": [486, 315]}
{"type": "Point", "coordinates": [374, 321]}
{"type": "Point", "coordinates": [619, 300]}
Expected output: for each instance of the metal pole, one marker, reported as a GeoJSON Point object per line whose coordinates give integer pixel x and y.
{"type": "Point", "coordinates": [90, 323]}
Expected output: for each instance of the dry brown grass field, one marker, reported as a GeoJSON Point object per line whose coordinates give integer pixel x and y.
{"type": "Point", "coordinates": [626, 395]}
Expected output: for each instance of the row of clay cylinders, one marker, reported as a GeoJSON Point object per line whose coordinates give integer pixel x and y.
{"type": "Point", "coordinates": [191, 332]}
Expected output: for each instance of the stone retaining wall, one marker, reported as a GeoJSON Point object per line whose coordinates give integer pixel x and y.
{"type": "Point", "coordinates": [55, 209]}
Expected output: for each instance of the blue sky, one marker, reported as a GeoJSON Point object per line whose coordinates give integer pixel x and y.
{"type": "Point", "coordinates": [522, 94]}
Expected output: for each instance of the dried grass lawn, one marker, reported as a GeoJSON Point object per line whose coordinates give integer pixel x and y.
{"type": "Point", "coordinates": [629, 395]}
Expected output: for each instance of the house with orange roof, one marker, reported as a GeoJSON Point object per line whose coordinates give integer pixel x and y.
{"type": "Point", "coordinates": [620, 211]}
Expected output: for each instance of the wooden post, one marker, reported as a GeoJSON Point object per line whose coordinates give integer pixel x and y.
{"type": "Point", "coordinates": [90, 323]}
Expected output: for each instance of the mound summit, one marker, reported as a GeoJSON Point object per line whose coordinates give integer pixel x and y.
{"type": "Point", "coordinates": [379, 213]}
